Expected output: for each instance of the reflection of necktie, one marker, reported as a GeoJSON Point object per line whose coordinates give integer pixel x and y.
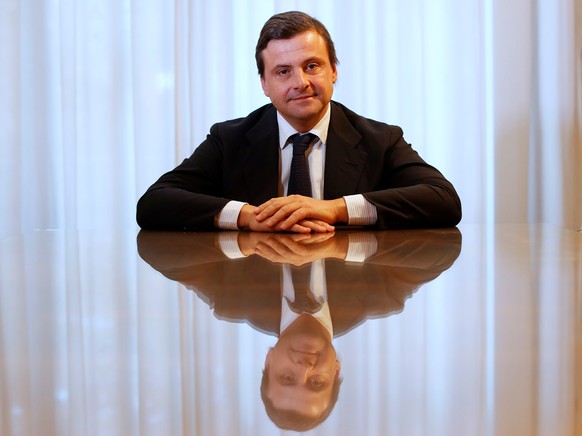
{"type": "Point", "coordinates": [299, 181]}
{"type": "Point", "coordinates": [304, 301]}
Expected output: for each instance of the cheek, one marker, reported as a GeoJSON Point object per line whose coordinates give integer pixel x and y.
{"type": "Point", "coordinates": [278, 93]}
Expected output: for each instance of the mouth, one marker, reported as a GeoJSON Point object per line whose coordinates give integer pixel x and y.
{"type": "Point", "coordinates": [310, 351]}
{"type": "Point", "coordinates": [302, 97]}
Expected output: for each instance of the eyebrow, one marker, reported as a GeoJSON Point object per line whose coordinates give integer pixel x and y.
{"type": "Point", "coordinates": [317, 59]}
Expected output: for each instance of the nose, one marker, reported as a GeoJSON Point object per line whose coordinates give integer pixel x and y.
{"type": "Point", "coordinates": [301, 80]}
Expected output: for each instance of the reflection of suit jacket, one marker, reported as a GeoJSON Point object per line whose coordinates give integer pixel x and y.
{"type": "Point", "coordinates": [249, 289]}
{"type": "Point", "coordinates": [239, 160]}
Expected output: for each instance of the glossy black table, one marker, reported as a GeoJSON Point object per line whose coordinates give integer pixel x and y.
{"type": "Point", "coordinates": [469, 331]}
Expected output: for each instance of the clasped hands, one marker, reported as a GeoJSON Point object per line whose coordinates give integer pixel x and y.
{"type": "Point", "coordinates": [294, 213]}
{"type": "Point", "coordinates": [293, 248]}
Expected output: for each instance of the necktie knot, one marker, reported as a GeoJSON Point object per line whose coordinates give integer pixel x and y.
{"type": "Point", "coordinates": [301, 143]}
{"type": "Point", "coordinates": [304, 301]}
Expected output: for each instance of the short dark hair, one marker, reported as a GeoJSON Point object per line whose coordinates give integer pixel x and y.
{"type": "Point", "coordinates": [286, 25]}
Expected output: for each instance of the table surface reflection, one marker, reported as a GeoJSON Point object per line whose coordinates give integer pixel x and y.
{"type": "Point", "coordinates": [469, 331]}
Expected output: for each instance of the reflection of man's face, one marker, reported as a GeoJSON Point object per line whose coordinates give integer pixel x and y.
{"type": "Point", "coordinates": [302, 368]}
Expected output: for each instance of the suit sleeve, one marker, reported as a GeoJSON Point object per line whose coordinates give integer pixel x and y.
{"type": "Point", "coordinates": [189, 196]}
{"type": "Point", "coordinates": [412, 193]}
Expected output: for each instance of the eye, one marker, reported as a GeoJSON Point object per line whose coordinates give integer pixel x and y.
{"type": "Point", "coordinates": [286, 379]}
{"type": "Point", "coordinates": [317, 382]}
{"type": "Point", "coordinates": [282, 73]}
{"type": "Point", "coordinates": [311, 67]}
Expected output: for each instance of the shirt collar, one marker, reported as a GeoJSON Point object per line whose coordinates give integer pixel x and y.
{"type": "Point", "coordinates": [320, 129]}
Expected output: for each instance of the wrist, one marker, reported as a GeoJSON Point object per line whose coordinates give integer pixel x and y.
{"type": "Point", "coordinates": [227, 218]}
{"type": "Point", "coordinates": [340, 210]}
{"type": "Point", "coordinates": [245, 244]}
{"type": "Point", "coordinates": [244, 217]}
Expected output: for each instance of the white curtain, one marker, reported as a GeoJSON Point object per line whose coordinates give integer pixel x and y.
{"type": "Point", "coordinates": [99, 98]}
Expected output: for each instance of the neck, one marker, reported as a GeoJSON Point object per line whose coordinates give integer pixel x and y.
{"type": "Point", "coordinates": [304, 126]}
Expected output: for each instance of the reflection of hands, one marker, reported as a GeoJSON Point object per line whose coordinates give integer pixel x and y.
{"type": "Point", "coordinates": [285, 213]}
{"type": "Point", "coordinates": [296, 249]}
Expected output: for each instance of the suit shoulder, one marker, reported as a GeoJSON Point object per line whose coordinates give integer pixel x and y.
{"type": "Point", "coordinates": [367, 126]}
{"type": "Point", "coordinates": [240, 125]}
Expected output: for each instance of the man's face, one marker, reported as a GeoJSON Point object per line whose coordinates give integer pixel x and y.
{"type": "Point", "coordinates": [298, 78]}
{"type": "Point", "coordinates": [303, 367]}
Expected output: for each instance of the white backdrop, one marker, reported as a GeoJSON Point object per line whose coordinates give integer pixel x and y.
{"type": "Point", "coordinates": [99, 98]}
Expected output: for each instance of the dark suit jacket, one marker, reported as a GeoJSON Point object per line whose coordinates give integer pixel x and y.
{"type": "Point", "coordinates": [249, 289]}
{"type": "Point", "coordinates": [239, 160]}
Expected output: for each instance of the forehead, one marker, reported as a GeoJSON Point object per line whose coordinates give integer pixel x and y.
{"type": "Point", "coordinates": [303, 46]}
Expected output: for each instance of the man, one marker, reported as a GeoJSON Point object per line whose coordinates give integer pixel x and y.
{"type": "Point", "coordinates": [251, 277]}
{"type": "Point", "coordinates": [361, 172]}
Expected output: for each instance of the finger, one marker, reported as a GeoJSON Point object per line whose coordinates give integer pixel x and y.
{"type": "Point", "coordinates": [275, 205]}
{"type": "Point", "coordinates": [315, 226]}
{"type": "Point", "coordinates": [296, 248]}
{"type": "Point", "coordinates": [299, 228]}
{"type": "Point", "coordinates": [269, 255]}
{"type": "Point", "coordinates": [301, 238]}
{"type": "Point", "coordinates": [270, 251]}
{"type": "Point", "coordinates": [295, 216]}
{"type": "Point", "coordinates": [317, 238]}
{"type": "Point", "coordinates": [267, 203]}
{"type": "Point", "coordinates": [273, 202]}
{"type": "Point", "coordinates": [328, 227]}
{"type": "Point", "coordinates": [289, 215]}
{"type": "Point", "coordinates": [264, 211]}
{"type": "Point", "coordinates": [283, 247]}
{"type": "Point", "coordinates": [270, 209]}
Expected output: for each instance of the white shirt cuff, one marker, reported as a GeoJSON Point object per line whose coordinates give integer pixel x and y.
{"type": "Point", "coordinates": [360, 211]}
{"type": "Point", "coordinates": [228, 243]}
{"type": "Point", "coordinates": [361, 246]}
{"type": "Point", "coordinates": [228, 216]}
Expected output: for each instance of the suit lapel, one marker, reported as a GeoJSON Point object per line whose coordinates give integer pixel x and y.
{"type": "Point", "coordinates": [344, 161]}
{"type": "Point", "coordinates": [261, 159]}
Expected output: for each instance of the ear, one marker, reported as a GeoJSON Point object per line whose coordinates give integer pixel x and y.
{"type": "Point", "coordinates": [268, 357]}
{"type": "Point", "coordinates": [334, 74]}
{"type": "Point", "coordinates": [338, 366]}
{"type": "Point", "coordinates": [264, 86]}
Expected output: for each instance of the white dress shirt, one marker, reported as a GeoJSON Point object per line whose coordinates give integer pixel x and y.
{"type": "Point", "coordinates": [317, 285]}
{"type": "Point", "coordinates": [360, 211]}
